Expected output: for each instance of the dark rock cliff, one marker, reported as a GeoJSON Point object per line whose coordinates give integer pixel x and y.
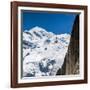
{"type": "Point", "coordinates": [71, 62]}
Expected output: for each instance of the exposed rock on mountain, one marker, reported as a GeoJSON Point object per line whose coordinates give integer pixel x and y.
{"type": "Point", "coordinates": [71, 62]}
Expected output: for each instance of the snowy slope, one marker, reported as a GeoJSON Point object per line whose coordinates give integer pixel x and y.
{"type": "Point", "coordinates": [43, 52]}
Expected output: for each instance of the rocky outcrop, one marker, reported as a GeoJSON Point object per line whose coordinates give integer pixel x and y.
{"type": "Point", "coordinates": [71, 62]}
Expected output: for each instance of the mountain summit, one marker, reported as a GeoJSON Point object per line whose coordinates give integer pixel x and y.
{"type": "Point", "coordinates": [37, 28]}
{"type": "Point", "coordinates": [43, 52]}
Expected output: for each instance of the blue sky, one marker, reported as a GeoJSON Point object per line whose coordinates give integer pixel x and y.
{"type": "Point", "coordinates": [57, 23]}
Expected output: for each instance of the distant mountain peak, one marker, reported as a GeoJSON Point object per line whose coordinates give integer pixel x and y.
{"type": "Point", "coordinates": [37, 29]}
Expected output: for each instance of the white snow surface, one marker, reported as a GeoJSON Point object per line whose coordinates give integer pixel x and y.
{"type": "Point", "coordinates": [41, 48]}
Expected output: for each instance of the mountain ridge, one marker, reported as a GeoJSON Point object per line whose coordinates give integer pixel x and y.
{"type": "Point", "coordinates": [41, 46]}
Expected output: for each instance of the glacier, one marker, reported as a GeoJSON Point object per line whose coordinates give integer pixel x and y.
{"type": "Point", "coordinates": [43, 52]}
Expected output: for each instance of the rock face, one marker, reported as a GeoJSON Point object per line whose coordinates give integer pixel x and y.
{"type": "Point", "coordinates": [71, 62]}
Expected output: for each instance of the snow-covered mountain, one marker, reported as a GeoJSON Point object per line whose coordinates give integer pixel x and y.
{"type": "Point", "coordinates": [43, 52]}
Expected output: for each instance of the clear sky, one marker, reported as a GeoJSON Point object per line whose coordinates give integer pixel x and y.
{"type": "Point", "coordinates": [54, 22]}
